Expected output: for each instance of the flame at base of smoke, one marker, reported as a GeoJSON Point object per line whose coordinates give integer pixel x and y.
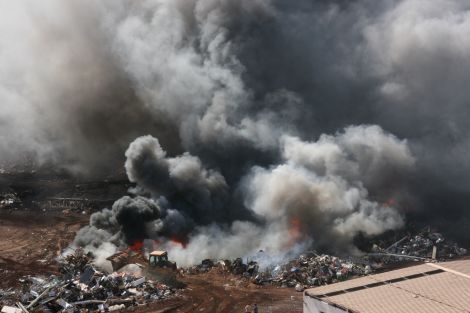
{"type": "Point", "coordinates": [317, 195]}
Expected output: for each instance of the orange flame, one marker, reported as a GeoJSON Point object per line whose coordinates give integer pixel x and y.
{"type": "Point", "coordinates": [295, 230]}
{"type": "Point", "coordinates": [137, 246]}
{"type": "Point", "coordinates": [179, 240]}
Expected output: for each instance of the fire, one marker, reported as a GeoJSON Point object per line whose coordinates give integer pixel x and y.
{"type": "Point", "coordinates": [179, 240]}
{"type": "Point", "coordinates": [137, 246]}
{"type": "Point", "coordinates": [295, 230]}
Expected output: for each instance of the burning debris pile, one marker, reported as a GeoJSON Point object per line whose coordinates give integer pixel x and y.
{"type": "Point", "coordinates": [279, 208]}
{"type": "Point", "coordinates": [425, 245]}
{"type": "Point", "coordinates": [304, 271]}
{"type": "Point", "coordinates": [80, 287]}
{"type": "Point", "coordinates": [312, 270]}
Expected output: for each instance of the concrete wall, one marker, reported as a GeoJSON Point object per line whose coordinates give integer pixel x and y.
{"type": "Point", "coordinates": [312, 305]}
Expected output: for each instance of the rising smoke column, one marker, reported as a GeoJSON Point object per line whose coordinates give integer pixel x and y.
{"type": "Point", "coordinates": [223, 80]}
{"type": "Point", "coordinates": [63, 94]}
{"type": "Point", "coordinates": [316, 195]}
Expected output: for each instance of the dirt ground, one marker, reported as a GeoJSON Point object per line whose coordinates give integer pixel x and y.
{"type": "Point", "coordinates": [29, 243]}
{"type": "Point", "coordinates": [213, 292]}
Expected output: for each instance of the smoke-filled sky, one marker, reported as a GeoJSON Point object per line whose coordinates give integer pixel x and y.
{"type": "Point", "coordinates": [346, 115]}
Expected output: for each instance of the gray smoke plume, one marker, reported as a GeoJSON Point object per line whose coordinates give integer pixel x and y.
{"type": "Point", "coordinates": [316, 195]}
{"type": "Point", "coordinates": [240, 93]}
{"type": "Point", "coordinates": [179, 178]}
{"type": "Point", "coordinates": [63, 94]}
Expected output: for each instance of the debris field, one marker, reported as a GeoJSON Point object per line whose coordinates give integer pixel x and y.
{"type": "Point", "coordinates": [36, 278]}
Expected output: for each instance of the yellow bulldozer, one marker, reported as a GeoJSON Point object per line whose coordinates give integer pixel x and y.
{"type": "Point", "coordinates": [160, 259]}
{"type": "Point", "coordinates": [157, 259]}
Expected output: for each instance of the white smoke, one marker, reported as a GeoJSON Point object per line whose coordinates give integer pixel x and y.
{"type": "Point", "coordinates": [321, 185]}
{"type": "Point", "coordinates": [318, 189]}
{"type": "Point", "coordinates": [59, 83]}
{"type": "Point", "coordinates": [239, 92]}
{"type": "Point", "coordinates": [315, 196]}
{"type": "Point", "coordinates": [195, 78]}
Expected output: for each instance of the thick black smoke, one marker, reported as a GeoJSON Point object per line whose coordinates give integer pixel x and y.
{"type": "Point", "coordinates": [183, 180]}
{"type": "Point", "coordinates": [317, 194]}
{"type": "Point", "coordinates": [232, 87]}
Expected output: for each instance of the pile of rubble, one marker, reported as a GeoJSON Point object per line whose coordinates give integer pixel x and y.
{"type": "Point", "coordinates": [82, 288]}
{"type": "Point", "coordinates": [426, 245]}
{"type": "Point", "coordinates": [305, 271]}
{"type": "Point", "coordinates": [312, 270]}
{"type": "Point", "coordinates": [236, 267]}
{"type": "Point", "coordinates": [9, 200]}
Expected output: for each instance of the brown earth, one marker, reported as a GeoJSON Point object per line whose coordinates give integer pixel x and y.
{"type": "Point", "coordinates": [30, 241]}
{"type": "Point", "coordinates": [212, 292]}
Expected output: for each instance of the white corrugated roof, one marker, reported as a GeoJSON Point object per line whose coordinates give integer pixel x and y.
{"type": "Point", "coordinates": [427, 288]}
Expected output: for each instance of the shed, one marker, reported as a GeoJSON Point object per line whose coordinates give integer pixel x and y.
{"type": "Point", "coordinates": [427, 288]}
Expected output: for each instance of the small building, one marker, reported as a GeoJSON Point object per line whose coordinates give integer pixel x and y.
{"type": "Point", "coordinates": [427, 288]}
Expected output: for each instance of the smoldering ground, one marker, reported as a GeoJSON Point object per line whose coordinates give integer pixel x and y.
{"type": "Point", "coordinates": [237, 85]}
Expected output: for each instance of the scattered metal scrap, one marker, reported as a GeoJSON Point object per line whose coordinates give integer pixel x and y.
{"type": "Point", "coordinates": [312, 269]}
{"type": "Point", "coordinates": [9, 200]}
{"type": "Point", "coordinates": [426, 245]}
{"type": "Point", "coordinates": [82, 288]}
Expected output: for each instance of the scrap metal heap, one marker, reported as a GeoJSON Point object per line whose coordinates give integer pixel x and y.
{"type": "Point", "coordinates": [425, 245]}
{"type": "Point", "coordinates": [236, 267]}
{"type": "Point", "coordinates": [311, 269]}
{"type": "Point", "coordinates": [305, 271]}
{"type": "Point", "coordinates": [9, 200]}
{"type": "Point", "coordinates": [82, 288]}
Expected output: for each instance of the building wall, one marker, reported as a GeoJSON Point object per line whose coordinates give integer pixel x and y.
{"type": "Point", "coordinates": [312, 305]}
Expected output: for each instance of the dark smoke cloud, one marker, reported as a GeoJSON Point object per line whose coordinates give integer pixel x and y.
{"type": "Point", "coordinates": [318, 194]}
{"type": "Point", "coordinates": [246, 89]}
{"type": "Point", "coordinates": [63, 95]}
{"type": "Point", "coordinates": [181, 179]}
{"type": "Point", "coordinates": [267, 68]}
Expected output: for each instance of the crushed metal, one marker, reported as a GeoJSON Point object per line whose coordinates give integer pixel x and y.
{"type": "Point", "coordinates": [312, 269]}
{"type": "Point", "coordinates": [423, 246]}
{"type": "Point", "coordinates": [82, 288]}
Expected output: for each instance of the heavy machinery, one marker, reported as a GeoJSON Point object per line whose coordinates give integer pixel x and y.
{"type": "Point", "coordinates": [160, 259]}
{"type": "Point", "coordinates": [157, 260]}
